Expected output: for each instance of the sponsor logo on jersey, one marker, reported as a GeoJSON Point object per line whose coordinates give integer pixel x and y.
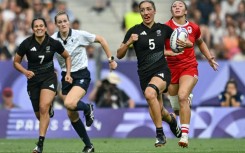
{"type": "Point", "coordinates": [159, 33]}
{"type": "Point", "coordinates": [143, 33]}
{"type": "Point", "coordinates": [47, 49]}
{"type": "Point", "coordinates": [33, 49]}
{"type": "Point", "coordinates": [81, 81]}
{"type": "Point", "coordinates": [161, 75]}
{"type": "Point", "coordinates": [189, 29]}
{"type": "Point", "coordinates": [51, 86]}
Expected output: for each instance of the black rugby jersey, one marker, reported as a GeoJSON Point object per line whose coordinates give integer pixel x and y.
{"type": "Point", "coordinates": [40, 56]}
{"type": "Point", "coordinates": [150, 46]}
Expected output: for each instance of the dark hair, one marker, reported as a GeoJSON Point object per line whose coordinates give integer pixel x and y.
{"type": "Point", "coordinates": [32, 23]}
{"type": "Point", "coordinates": [180, 1]}
{"type": "Point", "coordinates": [231, 81]}
{"type": "Point", "coordinates": [149, 1]}
{"type": "Point", "coordinates": [134, 4]}
{"type": "Point", "coordinates": [60, 13]}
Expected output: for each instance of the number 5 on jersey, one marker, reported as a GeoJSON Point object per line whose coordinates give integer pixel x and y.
{"type": "Point", "coordinates": [151, 44]}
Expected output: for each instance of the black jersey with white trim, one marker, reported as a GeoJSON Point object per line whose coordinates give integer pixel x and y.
{"type": "Point", "coordinates": [150, 46]}
{"type": "Point", "coordinates": [40, 56]}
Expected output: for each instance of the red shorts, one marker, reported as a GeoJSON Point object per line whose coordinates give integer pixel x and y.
{"type": "Point", "coordinates": [177, 73]}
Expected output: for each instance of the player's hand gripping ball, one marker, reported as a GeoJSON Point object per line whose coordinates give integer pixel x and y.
{"type": "Point", "coordinates": [181, 34]}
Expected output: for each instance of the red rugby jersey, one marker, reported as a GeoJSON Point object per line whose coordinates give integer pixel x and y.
{"type": "Point", "coordinates": [188, 58]}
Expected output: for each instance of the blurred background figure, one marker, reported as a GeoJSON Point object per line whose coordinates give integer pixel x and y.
{"type": "Point", "coordinates": [76, 24]}
{"type": "Point", "coordinates": [61, 5]}
{"type": "Point", "coordinates": [90, 49]}
{"type": "Point", "coordinates": [7, 102]}
{"type": "Point", "coordinates": [130, 19]}
{"type": "Point", "coordinates": [231, 97]}
{"type": "Point", "coordinates": [100, 6]}
{"type": "Point", "coordinates": [106, 94]}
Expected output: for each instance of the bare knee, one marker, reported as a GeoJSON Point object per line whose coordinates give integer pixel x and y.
{"type": "Point", "coordinates": [150, 94]}
{"type": "Point", "coordinates": [70, 105]}
{"type": "Point", "coordinates": [183, 100]}
{"type": "Point", "coordinates": [43, 109]}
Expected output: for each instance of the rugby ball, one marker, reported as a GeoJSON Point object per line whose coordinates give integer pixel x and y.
{"type": "Point", "coordinates": [181, 34]}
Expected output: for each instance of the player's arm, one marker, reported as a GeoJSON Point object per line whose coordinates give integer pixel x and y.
{"type": "Point", "coordinates": [235, 103]}
{"type": "Point", "coordinates": [184, 44]}
{"type": "Point", "coordinates": [205, 51]}
{"type": "Point", "coordinates": [67, 58]}
{"type": "Point", "coordinates": [225, 102]}
{"type": "Point", "coordinates": [105, 46]}
{"type": "Point", "coordinates": [121, 52]}
{"type": "Point", "coordinates": [20, 68]}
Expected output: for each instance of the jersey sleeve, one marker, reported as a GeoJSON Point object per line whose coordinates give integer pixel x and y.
{"type": "Point", "coordinates": [59, 47]}
{"type": "Point", "coordinates": [198, 33]}
{"type": "Point", "coordinates": [169, 31]}
{"type": "Point", "coordinates": [86, 38]}
{"type": "Point", "coordinates": [21, 50]}
{"type": "Point", "coordinates": [128, 35]}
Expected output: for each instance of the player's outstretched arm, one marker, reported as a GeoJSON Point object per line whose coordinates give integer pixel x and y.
{"type": "Point", "coordinates": [205, 51]}
{"type": "Point", "coordinates": [105, 46]}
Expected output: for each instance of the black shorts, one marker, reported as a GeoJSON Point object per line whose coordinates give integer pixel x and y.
{"type": "Point", "coordinates": [80, 78]}
{"type": "Point", "coordinates": [38, 82]}
{"type": "Point", "coordinates": [164, 74]}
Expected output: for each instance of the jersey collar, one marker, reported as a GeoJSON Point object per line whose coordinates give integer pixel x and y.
{"type": "Point", "coordinates": [179, 25]}
{"type": "Point", "coordinates": [69, 34]}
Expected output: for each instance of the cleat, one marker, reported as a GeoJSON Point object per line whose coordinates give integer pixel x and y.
{"type": "Point", "coordinates": [51, 111]}
{"type": "Point", "coordinates": [176, 130]}
{"type": "Point", "coordinates": [89, 115]}
{"type": "Point", "coordinates": [38, 149]}
{"type": "Point", "coordinates": [190, 100]}
{"type": "Point", "coordinates": [88, 149]}
{"type": "Point", "coordinates": [183, 141]}
{"type": "Point", "coordinates": [160, 141]}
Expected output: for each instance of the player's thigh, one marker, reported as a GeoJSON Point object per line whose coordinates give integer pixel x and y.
{"type": "Point", "coordinates": [48, 90]}
{"type": "Point", "coordinates": [75, 94]}
{"type": "Point", "coordinates": [159, 83]}
{"type": "Point", "coordinates": [34, 94]}
{"type": "Point", "coordinates": [186, 85]}
{"type": "Point", "coordinates": [46, 98]}
{"type": "Point", "coordinates": [162, 80]}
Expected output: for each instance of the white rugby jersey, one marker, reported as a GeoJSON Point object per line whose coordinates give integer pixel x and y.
{"type": "Point", "coordinates": [75, 44]}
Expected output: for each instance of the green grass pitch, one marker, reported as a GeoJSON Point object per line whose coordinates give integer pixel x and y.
{"type": "Point", "coordinates": [137, 145]}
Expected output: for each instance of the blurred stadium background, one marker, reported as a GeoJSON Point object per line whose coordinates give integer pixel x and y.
{"type": "Point", "coordinates": [223, 28]}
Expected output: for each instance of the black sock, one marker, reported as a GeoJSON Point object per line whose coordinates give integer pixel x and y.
{"type": "Point", "coordinates": [81, 131]}
{"type": "Point", "coordinates": [81, 106]}
{"type": "Point", "coordinates": [159, 132]}
{"type": "Point", "coordinates": [40, 141]}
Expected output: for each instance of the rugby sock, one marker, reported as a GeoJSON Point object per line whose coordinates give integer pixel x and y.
{"type": "Point", "coordinates": [40, 141]}
{"type": "Point", "coordinates": [81, 106]}
{"type": "Point", "coordinates": [185, 128]}
{"type": "Point", "coordinates": [159, 131]}
{"type": "Point", "coordinates": [81, 131]}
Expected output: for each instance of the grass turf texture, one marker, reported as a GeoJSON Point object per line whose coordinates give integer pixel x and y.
{"type": "Point", "coordinates": [138, 145]}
